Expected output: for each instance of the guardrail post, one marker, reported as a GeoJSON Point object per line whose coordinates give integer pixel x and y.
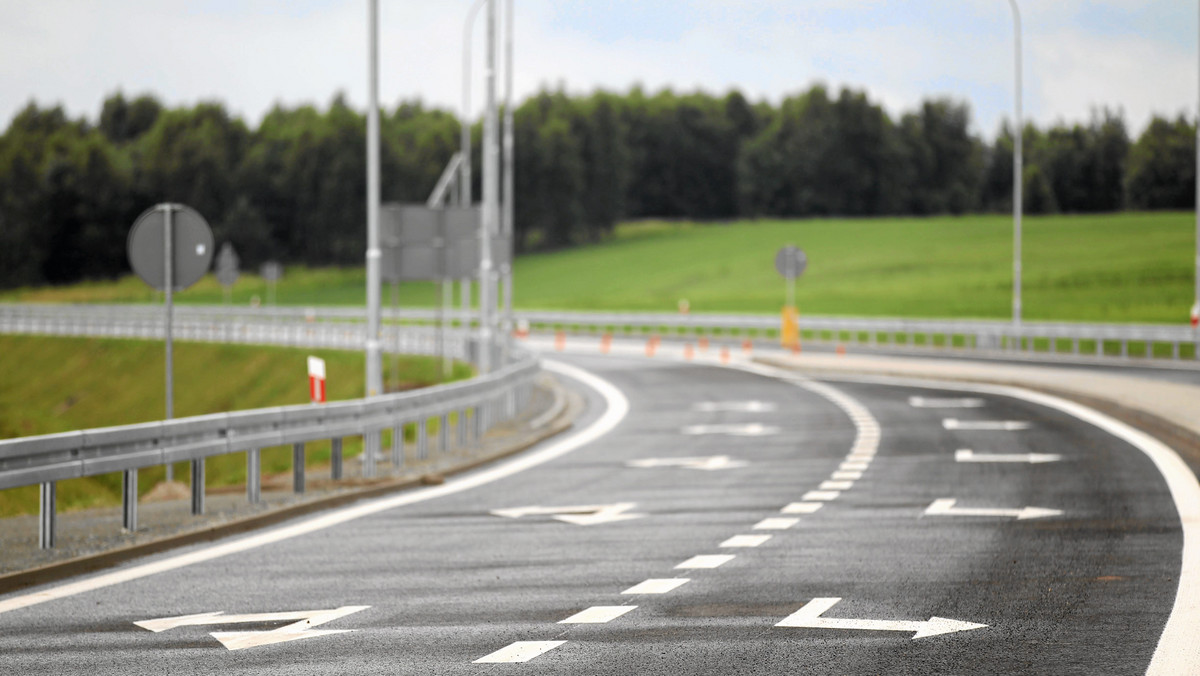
{"type": "Point", "coordinates": [298, 467]}
{"type": "Point", "coordinates": [444, 433]}
{"type": "Point", "coordinates": [1124, 348]}
{"type": "Point", "coordinates": [129, 498]}
{"type": "Point", "coordinates": [1175, 350]}
{"type": "Point", "coordinates": [253, 476]}
{"type": "Point", "coordinates": [198, 486]}
{"type": "Point", "coordinates": [510, 404]}
{"type": "Point", "coordinates": [47, 516]}
{"type": "Point", "coordinates": [423, 438]}
{"type": "Point", "coordinates": [335, 458]}
{"type": "Point", "coordinates": [398, 446]}
{"type": "Point", "coordinates": [370, 450]}
{"type": "Point", "coordinates": [460, 430]}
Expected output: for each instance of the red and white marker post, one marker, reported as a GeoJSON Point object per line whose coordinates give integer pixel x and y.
{"type": "Point", "coordinates": [1196, 315]}
{"type": "Point", "coordinates": [316, 379]}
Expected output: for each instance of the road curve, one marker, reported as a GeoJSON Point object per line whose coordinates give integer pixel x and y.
{"type": "Point", "coordinates": [727, 522]}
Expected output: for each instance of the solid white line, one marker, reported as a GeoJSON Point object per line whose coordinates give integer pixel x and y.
{"type": "Point", "coordinates": [745, 541]}
{"type": "Point", "coordinates": [776, 523]}
{"type": "Point", "coordinates": [706, 561]}
{"type": "Point", "coordinates": [521, 651]}
{"type": "Point", "coordinates": [657, 585]}
{"type": "Point", "coordinates": [618, 407]}
{"type": "Point", "coordinates": [597, 615]}
{"type": "Point", "coordinates": [802, 507]}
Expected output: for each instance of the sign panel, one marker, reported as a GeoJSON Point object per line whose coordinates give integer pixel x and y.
{"type": "Point", "coordinates": [227, 265]}
{"type": "Point", "coordinates": [271, 271]}
{"type": "Point", "coordinates": [790, 262]}
{"type": "Point", "coordinates": [192, 246]}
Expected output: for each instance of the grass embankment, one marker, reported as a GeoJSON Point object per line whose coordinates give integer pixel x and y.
{"type": "Point", "coordinates": [52, 385]}
{"type": "Point", "coordinates": [1128, 267]}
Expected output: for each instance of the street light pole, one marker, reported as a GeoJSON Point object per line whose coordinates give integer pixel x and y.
{"type": "Point", "coordinates": [491, 200]}
{"type": "Point", "coordinates": [1018, 206]}
{"type": "Point", "coordinates": [464, 169]}
{"type": "Point", "coordinates": [506, 226]}
{"type": "Point", "coordinates": [374, 367]}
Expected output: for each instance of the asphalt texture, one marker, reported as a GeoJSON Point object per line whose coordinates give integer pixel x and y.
{"type": "Point", "coordinates": [448, 582]}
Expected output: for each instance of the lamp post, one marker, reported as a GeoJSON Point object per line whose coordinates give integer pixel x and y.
{"type": "Point", "coordinates": [1018, 207]}
{"type": "Point", "coordinates": [374, 367]}
{"type": "Point", "coordinates": [506, 221]}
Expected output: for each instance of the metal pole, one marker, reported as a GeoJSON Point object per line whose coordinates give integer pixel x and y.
{"type": "Point", "coordinates": [447, 301]}
{"type": "Point", "coordinates": [1196, 354]}
{"type": "Point", "coordinates": [491, 197]}
{"type": "Point", "coordinates": [374, 367]}
{"type": "Point", "coordinates": [464, 184]}
{"type": "Point", "coordinates": [506, 225]}
{"type": "Point", "coordinates": [169, 284]}
{"type": "Point", "coordinates": [1018, 206]}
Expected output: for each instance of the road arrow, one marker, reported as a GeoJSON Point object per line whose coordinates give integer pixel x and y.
{"type": "Point", "coordinates": [300, 628]}
{"type": "Point", "coordinates": [709, 463]}
{"type": "Point", "coordinates": [582, 515]}
{"type": "Point", "coordinates": [809, 617]}
{"type": "Point", "coordinates": [967, 455]}
{"type": "Point", "coordinates": [738, 406]}
{"type": "Point", "coordinates": [1001, 425]}
{"type": "Point", "coordinates": [945, 507]}
{"type": "Point", "coordinates": [738, 430]}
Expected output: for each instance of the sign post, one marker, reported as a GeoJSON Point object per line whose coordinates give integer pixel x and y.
{"type": "Point", "coordinates": [227, 269]}
{"type": "Point", "coordinates": [790, 262]}
{"type": "Point", "coordinates": [170, 247]}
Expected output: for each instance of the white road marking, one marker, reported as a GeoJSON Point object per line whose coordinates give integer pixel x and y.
{"type": "Point", "coordinates": [706, 561]}
{"type": "Point", "coordinates": [836, 485]}
{"type": "Point", "coordinates": [617, 408]}
{"type": "Point", "coordinates": [809, 617]}
{"type": "Point", "coordinates": [802, 507]}
{"type": "Point", "coordinates": [597, 615]}
{"type": "Point", "coordinates": [521, 651]}
{"type": "Point", "coordinates": [776, 523]}
{"type": "Point", "coordinates": [856, 466]}
{"type": "Point", "coordinates": [657, 585]}
{"type": "Point", "coordinates": [860, 457]}
{"type": "Point", "coordinates": [967, 455]}
{"type": "Point", "coordinates": [923, 402]}
{"type": "Point", "coordinates": [300, 628]}
{"type": "Point", "coordinates": [580, 515]}
{"type": "Point", "coordinates": [945, 507]}
{"type": "Point", "coordinates": [733, 429]}
{"type": "Point", "coordinates": [985, 425]}
{"type": "Point", "coordinates": [821, 496]}
{"type": "Point", "coordinates": [745, 541]}
{"type": "Point", "coordinates": [846, 475]}
{"type": "Point", "coordinates": [736, 406]}
{"type": "Point", "coordinates": [706, 463]}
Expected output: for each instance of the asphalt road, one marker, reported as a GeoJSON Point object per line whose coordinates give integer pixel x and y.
{"type": "Point", "coordinates": [706, 458]}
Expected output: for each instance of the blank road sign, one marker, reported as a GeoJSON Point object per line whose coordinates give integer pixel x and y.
{"type": "Point", "coordinates": [790, 262]}
{"type": "Point", "coordinates": [192, 244]}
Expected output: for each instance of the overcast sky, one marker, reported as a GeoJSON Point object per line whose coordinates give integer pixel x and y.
{"type": "Point", "coordinates": [1136, 55]}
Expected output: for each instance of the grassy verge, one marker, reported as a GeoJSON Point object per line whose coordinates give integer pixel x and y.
{"type": "Point", "coordinates": [52, 385]}
{"type": "Point", "coordinates": [1126, 267]}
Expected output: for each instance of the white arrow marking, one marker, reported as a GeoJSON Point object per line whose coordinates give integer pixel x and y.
{"type": "Point", "coordinates": [967, 455]}
{"type": "Point", "coordinates": [945, 507]}
{"type": "Point", "coordinates": [580, 515]}
{"type": "Point", "coordinates": [1002, 425]}
{"type": "Point", "coordinates": [709, 463]}
{"type": "Point", "coordinates": [237, 640]}
{"type": "Point", "coordinates": [967, 402]}
{"type": "Point", "coordinates": [737, 406]}
{"type": "Point", "coordinates": [810, 617]}
{"type": "Point", "coordinates": [738, 430]}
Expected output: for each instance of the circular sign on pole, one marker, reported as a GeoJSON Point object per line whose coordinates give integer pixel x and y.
{"type": "Point", "coordinates": [191, 240]}
{"type": "Point", "coordinates": [227, 265]}
{"type": "Point", "coordinates": [271, 271]}
{"type": "Point", "coordinates": [790, 262]}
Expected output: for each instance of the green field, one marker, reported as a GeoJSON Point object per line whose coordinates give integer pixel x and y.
{"type": "Point", "coordinates": [1127, 267]}
{"type": "Point", "coordinates": [52, 385]}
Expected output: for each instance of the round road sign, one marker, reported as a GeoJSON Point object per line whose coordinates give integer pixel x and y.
{"type": "Point", "coordinates": [227, 265]}
{"type": "Point", "coordinates": [191, 242]}
{"type": "Point", "coordinates": [790, 262]}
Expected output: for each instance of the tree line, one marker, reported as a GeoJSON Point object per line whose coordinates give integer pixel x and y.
{"type": "Point", "coordinates": [293, 188]}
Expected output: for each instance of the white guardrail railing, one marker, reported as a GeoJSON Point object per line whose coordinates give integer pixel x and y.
{"type": "Point", "coordinates": [465, 410]}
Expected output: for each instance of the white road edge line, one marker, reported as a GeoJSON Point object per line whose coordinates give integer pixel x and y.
{"type": "Point", "coordinates": [618, 407]}
{"type": "Point", "coordinates": [1178, 652]}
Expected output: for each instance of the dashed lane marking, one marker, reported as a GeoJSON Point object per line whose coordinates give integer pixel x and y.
{"type": "Point", "coordinates": [706, 561]}
{"type": "Point", "coordinates": [597, 615]}
{"type": "Point", "coordinates": [745, 541]}
{"type": "Point", "coordinates": [967, 455]}
{"type": "Point", "coordinates": [521, 651]}
{"type": "Point", "coordinates": [858, 466]}
{"type": "Point", "coordinates": [985, 425]}
{"type": "Point", "coordinates": [961, 402]}
{"type": "Point", "coordinates": [776, 523]}
{"type": "Point", "coordinates": [847, 475]}
{"type": "Point", "coordinates": [802, 507]}
{"type": "Point", "coordinates": [657, 585]}
{"type": "Point", "coordinates": [821, 496]}
{"type": "Point", "coordinates": [836, 485]}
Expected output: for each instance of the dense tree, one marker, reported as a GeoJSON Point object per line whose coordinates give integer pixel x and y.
{"type": "Point", "coordinates": [1162, 166]}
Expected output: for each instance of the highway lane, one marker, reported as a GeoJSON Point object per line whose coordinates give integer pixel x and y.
{"type": "Point", "coordinates": [706, 457]}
